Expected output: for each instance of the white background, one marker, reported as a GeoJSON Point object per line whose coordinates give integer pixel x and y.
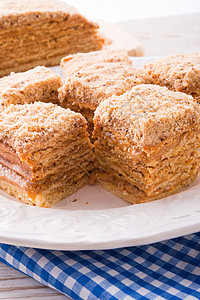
{"type": "Point", "coordinates": [124, 10]}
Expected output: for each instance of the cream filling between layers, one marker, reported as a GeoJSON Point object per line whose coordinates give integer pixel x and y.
{"type": "Point", "coordinates": [125, 188]}
{"type": "Point", "coordinates": [148, 175]}
{"type": "Point", "coordinates": [10, 159]}
{"type": "Point", "coordinates": [159, 176]}
{"type": "Point", "coordinates": [148, 156]}
{"type": "Point", "coordinates": [46, 161]}
{"type": "Point", "coordinates": [63, 165]}
{"type": "Point", "coordinates": [49, 183]}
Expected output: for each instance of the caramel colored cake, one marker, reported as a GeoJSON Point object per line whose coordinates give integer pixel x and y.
{"type": "Point", "coordinates": [45, 153]}
{"type": "Point", "coordinates": [179, 73]}
{"type": "Point", "coordinates": [41, 32]}
{"type": "Point", "coordinates": [38, 84]}
{"type": "Point", "coordinates": [91, 78]}
{"type": "Point", "coordinates": [147, 141]}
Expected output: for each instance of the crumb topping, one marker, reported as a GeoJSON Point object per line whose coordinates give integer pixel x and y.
{"type": "Point", "coordinates": [30, 127]}
{"type": "Point", "coordinates": [147, 115]}
{"type": "Point", "coordinates": [177, 72]}
{"type": "Point", "coordinates": [95, 80]}
{"type": "Point", "coordinates": [24, 6]}
{"type": "Point", "coordinates": [25, 12]}
{"type": "Point", "coordinates": [74, 63]}
{"type": "Point", "coordinates": [19, 80]}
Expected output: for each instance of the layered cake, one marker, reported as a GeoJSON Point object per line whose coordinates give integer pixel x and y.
{"type": "Point", "coordinates": [38, 84]}
{"type": "Point", "coordinates": [147, 143]}
{"type": "Point", "coordinates": [45, 153]}
{"type": "Point", "coordinates": [91, 78]}
{"type": "Point", "coordinates": [179, 73]}
{"type": "Point", "coordinates": [41, 32]}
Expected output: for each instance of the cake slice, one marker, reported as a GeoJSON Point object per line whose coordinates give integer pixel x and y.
{"type": "Point", "coordinates": [91, 78]}
{"type": "Point", "coordinates": [73, 63]}
{"type": "Point", "coordinates": [38, 84]}
{"type": "Point", "coordinates": [179, 73]}
{"type": "Point", "coordinates": [45, 153]}
{"type": "Point", "coordinates": [41, 32]}
{"type": "Point", "coordinates": [147, 143]}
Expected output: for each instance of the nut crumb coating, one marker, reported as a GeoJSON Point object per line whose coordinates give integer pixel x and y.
{"type": "Point", "coordinates": [32, 127]}
{"type": "Point", "coordinates": [180, 73]}
{"type": "Point", "coordinates": [74, 63]}
{"type": "Point", "coordinates": [147, 115]}
{"type": "Point", "coordinates": [91, 78]}
{"type": "Point", "coordinates": [38, 84]}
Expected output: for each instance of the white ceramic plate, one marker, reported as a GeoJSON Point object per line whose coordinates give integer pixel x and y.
{"type": "Point", "coordinates": [95, 219]}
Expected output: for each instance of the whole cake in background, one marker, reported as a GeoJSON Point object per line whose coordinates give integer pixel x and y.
{"type": "Point", "coordinates": [41, 32]}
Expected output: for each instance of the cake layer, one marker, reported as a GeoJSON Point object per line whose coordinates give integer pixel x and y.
{"type": "Point", "coordinates": [154, 177]}
{"type": "Point", "coordinates": [29, 51]}
{"type": "Point", "coordinates": [68, 161]}
{"type": "Point", "coordinates": [67, 176]}
{"type": "Point", "coordinates": [143, 171]}
{"type": "Point", "coordinates": [132, 194]}
{"type": "Point", "coordinates": [46, 198]}
{"type": "Point", "coordinates": [58, 160]}
{"type": "Point", "coordinates": [108, 144]}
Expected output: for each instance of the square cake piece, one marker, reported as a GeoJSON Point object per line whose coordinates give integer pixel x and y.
{"type": "Point", "coordinates": [45, 153]}
{"type": "Point", "coordinates": [41, 32]}
{"type": "Point", "coordinates": [179, 73]}
{"type": "Point", "coordinates": [38, 84]}
{"type": "Point", "coordinates": [91, 78]}
{"type": "Point", "coordinates": [147, 143]}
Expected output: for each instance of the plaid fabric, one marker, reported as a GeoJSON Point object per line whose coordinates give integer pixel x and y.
{"type": "Point", "coordinates": [167, 270]}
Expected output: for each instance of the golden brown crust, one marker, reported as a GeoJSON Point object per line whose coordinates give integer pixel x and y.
{"type": "Point", "coordinates": [177, 72]}
{"type": "Point", "coordinates": [30, 127]}
{"type": "Point", "coordinates": [38, 84]}
{"type": "Point", "coordinates": [147, 115]}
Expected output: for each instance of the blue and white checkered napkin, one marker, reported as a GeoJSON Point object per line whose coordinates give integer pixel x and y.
{"type": "Point", "coordinates": [167, 270]}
